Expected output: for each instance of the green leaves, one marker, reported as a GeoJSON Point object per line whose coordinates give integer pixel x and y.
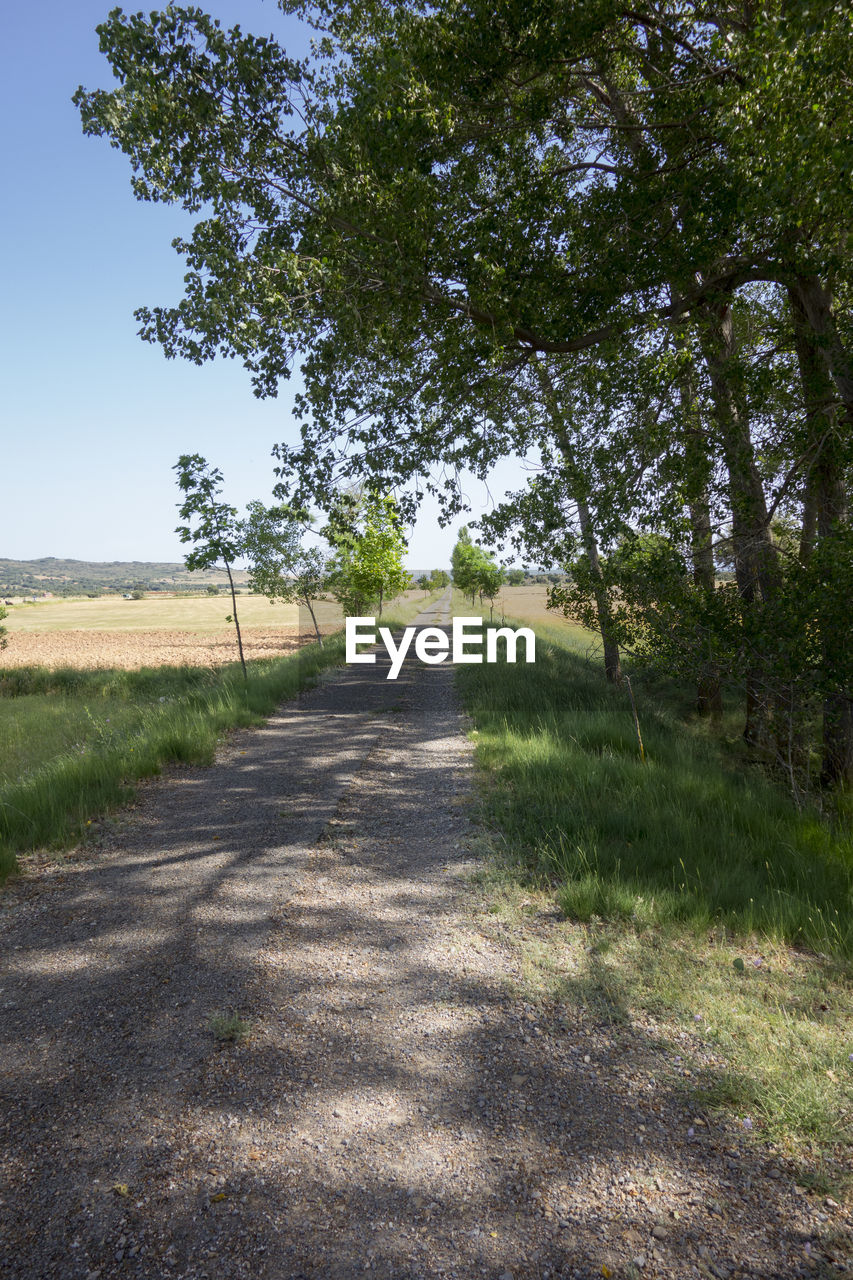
{"type": "Point", "coordinates": [474, 570]}
{"type": "Point", "coordinates": [280, 568]}
{"type": "Point", "coordinates": [212, 525]}
{"type": "Point", "coordinates": [367, 567]}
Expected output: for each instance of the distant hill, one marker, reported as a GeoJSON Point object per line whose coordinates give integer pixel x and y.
{"type": "Point", "coordinates": [82, 577]}
{"type": "Point", "coordinates": [100, 577]}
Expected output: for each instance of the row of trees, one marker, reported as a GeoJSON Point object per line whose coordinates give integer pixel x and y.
{"type": "Point", "coordinates": [363, 568]}
{"type": "Point", "coordinates": [475, 572]}
{"type": "Point", "coordinates": [437, 580]}
{"type": "Point", "coordinates": [612, 241]}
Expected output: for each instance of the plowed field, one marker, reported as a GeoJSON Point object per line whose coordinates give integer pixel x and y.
{"type": "Point", "coordinates": [132, 649]}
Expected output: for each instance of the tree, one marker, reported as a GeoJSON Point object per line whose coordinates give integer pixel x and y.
{"type": "Point", "coordinates": [491, 578]}
{"type": "Point", "coordinates": [4, 631]}
{"type": "Point", "coordinates": [515, 577]}
{"type": "Point", "coordinates": [367, 565]}
{"type": "Point", "coordinates": [439, 579]}
{"type": "Point", "coordinates": [280, 568]}
{"type": "Point", "coordinates": [212, 526]}
{"type": "Point", "coordinates": [474, 571]}
{"type": "Point", "coordinates": [453, 191]}
{"type": "Point", "coordinates": [464, 560]}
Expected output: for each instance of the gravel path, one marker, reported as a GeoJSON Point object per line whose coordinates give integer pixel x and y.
{"type": "Point", "coordinates": [397, 1110]}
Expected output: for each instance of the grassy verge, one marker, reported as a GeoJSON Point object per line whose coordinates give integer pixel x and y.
{"type": "Point", "coordinates": [74, 741]}
{"type": "Point", "coordinates": [694, 895]}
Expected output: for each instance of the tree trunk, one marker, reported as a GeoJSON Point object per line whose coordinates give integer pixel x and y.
{"type": "Point", "coordinates": [808, 527]}
{"type": "Point", "coordinates": [756, 566]}
{"type": "Point", "coordinates": [236, 621]}
{"type": "Point", "coordinates": [823, 372]}
{"type": "Point", "coordinates": [612, 664]}
{"type": "Point", "coordinates": [812, 303]}
{"type": "Point", "coordinates": [709, 698]}
{"type": "Point", "coordinates": [314, 620]}
{"type": "Point", "coordinates": [381, 593]}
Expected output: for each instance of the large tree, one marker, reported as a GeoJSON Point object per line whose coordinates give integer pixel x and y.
{"type": "Point", "coordinates": [452, 193]}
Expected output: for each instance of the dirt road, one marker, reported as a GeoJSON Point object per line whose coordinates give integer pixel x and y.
{"type": "Point", "coordinates": [397, 1110]}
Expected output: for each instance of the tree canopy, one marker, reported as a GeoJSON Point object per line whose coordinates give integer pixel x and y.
{"type": "Point", "coordinates": [610, 241]}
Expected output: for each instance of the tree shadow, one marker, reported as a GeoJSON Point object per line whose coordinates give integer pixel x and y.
{"type": "Point", "coordinates": [396, 1110]}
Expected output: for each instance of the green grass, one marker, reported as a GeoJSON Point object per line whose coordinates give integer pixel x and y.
{"type": "Point", "coordinates": [682, 837]}
{"type": "Point", "coordinates": [74, 741]}
{"type": "Point", "coordinates": [230, 1028]}
{"type": "Point", "coordinates": [696, 899]}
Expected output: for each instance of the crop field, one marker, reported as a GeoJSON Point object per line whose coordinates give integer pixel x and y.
{"type": "Point", "coordinates": [155, 631]}
{"type": "Point", "coordinates": [528, 603]}
{"type": "Point", "coordinates": [114, 706]}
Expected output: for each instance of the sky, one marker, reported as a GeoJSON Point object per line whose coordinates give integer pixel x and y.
{"type": "Point", "coordinates": [92, 419]}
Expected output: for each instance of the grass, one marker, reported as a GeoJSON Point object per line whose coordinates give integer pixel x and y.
{"type": "Point", "coordinates": [74, 741]}
{"type": "Point", "coordinates": [155, 612]}
{"type": "Point", "coordinates": [695, 897]}
{"type": "Point", "coordinates": [230, 1028]}
{"type": "Point", "coordinates": [683, 837]}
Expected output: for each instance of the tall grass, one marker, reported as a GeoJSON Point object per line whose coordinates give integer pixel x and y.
{"type": "Point", "coordinates": [75, 741]}
{"type": "Point", "coordinates": [683, 882]}
{"type": "Point", "coordinates": [680, 837]}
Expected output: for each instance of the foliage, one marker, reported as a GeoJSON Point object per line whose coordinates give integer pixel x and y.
{"type": "Point", "coordinates": [474, 571]}
{"type": "Point", "coordinates": [280, 568]}
{"type": "Point", "coordinates": [367, 566]}
{"type": "Point", "coordinates": [212, 526]}
{"type": "Point", "coordinates": [607, 241]}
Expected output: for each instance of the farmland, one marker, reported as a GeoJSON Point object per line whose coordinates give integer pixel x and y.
{"type": "Point", "coordinates": [158, 631]}
{"type": "Point", "coordinates": [86, 710]}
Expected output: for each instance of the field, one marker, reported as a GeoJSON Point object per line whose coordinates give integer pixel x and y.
{"type": "Point", "coordinates": [687, 896]}
{"type": "Point", "coordinates": [160, 631]}
{"type": "Point", "coordinates": [528, 603]}
{"type": "Point", "coordinates": [86, 711]}
{"type": "Point", "coordinates": [698, 900]}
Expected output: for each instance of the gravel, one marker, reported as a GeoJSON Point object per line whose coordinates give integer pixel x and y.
{"type": "Point", "coordinates": [391, 1106]}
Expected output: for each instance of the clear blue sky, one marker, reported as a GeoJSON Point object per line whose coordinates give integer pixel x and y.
{"type": "Point", "coordinates": [92, 418]}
